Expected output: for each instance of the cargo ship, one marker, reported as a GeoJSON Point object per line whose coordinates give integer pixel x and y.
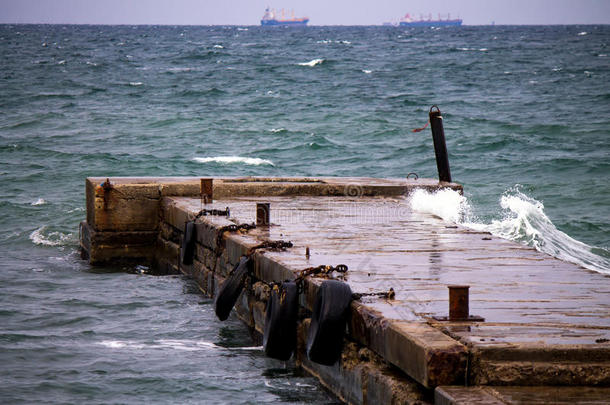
{"type": "Point", "coordinates": [408, 21]}
{"type": "Point", "coordinates": [271, 18]}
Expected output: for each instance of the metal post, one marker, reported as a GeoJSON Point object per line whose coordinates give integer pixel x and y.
{"type": "Point", "coordinates": [458, 302]}
{"type": "Point", "coordinates": [207, 190]}
{"type": "Point", "coordinates": [440, 146]}
{"type": "Point", "coordinates": [262, 214]}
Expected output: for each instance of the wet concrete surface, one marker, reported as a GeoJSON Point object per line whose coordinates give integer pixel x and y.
{"type": "Point", "coordinates": [526, 297]}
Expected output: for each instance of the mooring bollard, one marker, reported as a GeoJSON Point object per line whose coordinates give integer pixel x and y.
{"type": "Point", "coordinates": [207, 190]}
{"type": "Point", "coordinates": [262, 214]}
{"type": "Point", "coordinates": [440, 146]}
{"type": "Point", "coordinates": [458, 302]}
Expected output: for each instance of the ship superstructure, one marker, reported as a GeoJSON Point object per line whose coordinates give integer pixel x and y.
{"type": "Point", "coordinates": [272, 18]}
{"type": "Point", "coordinates": [409, 21]}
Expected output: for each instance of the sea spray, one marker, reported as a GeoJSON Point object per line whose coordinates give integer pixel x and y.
{"type": "Point", "coordinates": [447, 204]}
{"type": "Point", "coordinates": [522, 219]}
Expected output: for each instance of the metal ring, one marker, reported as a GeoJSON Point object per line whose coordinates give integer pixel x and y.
{"type": "Point", "coordinates": [414, 174]}
{"type": "Point", "coordinates": [435, 106]}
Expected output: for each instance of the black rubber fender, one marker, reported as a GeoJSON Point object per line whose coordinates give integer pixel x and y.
{"type": "Point", "coordinates": [231, 288]}
{"type": "Point", "coordinates": [189, 239]}
{"type": "Point", "coordinates": [328, 321]}
{"type": "Point", "coordinates": [280, 336]}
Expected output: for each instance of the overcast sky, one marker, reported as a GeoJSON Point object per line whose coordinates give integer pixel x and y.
{"type": "Point", "coordinates": [320, 12]}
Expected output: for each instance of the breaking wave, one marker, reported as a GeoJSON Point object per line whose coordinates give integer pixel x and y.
{"type": "Point", "coordinates": [234, 159]}
{"type": "Point", "coordinates": [522, 219]}
{"type": "Point", "coordinates": [313, 62]}
{"type": "Point", "coordinates": [42, 237]}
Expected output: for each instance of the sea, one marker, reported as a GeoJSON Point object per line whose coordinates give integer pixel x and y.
{"type": "Point", "coordinates": [526, 114]}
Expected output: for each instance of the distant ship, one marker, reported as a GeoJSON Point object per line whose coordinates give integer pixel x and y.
{"type": "Point", "coordinates": [272, 18]}
{"type": "Point", "coordinates": [408, 21]}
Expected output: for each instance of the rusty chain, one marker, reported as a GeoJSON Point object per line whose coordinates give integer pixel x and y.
{"type": "Point", "coordinates": [205, 212]}
{"type": "Point", "coordinates": [389, 295]}
{"type": "Point", "coordinates": [270, 244]}
{"type": "Point", "coordinates": [323, 270]}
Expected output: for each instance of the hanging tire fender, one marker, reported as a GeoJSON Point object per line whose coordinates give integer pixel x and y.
{"type": "Point", "coordinates": [189, 239]}
{"type": "Point", "coordinates": [328, 321]}
{"type": "Point", "coordinates": [280, 335]}
{"type": "Point", "coordinates": [229, 291]}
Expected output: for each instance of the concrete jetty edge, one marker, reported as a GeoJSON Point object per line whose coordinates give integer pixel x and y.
{"type": "Point", "coordinates": [385, 360]}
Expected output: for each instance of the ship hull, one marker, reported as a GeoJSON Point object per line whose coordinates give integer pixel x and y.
{"type": "Point", "coordinates": [292, 23]}
{"type": "Point", "coordinates": [445, 23]}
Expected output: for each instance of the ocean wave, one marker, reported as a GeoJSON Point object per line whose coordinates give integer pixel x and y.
{"type": "Point", "coordinates": [312, 62]}
{"type": "Point", "coordinates": [330, 41]}
{"type": "Point", "coordinates": [40, 201]}
{"type": "Point", "coordinates": [178, 69]}
{"type": "Point", "coordinates": [234, 159]}
{"type": "Point", "coordinates": [522, 220]}
{"type": "Point", "coordinates": [446, 204]}
{"type": "Point", "coordinates": [175, 344]}
{"type": "Point", "coordinates": [42, 237]}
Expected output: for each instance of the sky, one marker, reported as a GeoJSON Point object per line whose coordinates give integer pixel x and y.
{"type": "Point", "coordinates": [320, 12]}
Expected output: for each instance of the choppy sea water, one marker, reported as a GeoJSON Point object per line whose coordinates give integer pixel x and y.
{"type": "Point", "coordinates": [526, 112]}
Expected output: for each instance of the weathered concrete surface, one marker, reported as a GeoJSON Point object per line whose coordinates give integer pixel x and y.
{"type": "Point", "coordinates": [113, 247]}
{"type": "Point", "coordinates": [515, 288]}
{"type": "Point", "coordinates": [362, 377]}
{"type": "Point", "coordinates": [521, 395]}
{"type": "Point", "coordinates": [132, 204]}
{"type": "Point", "coordinates": [547, 321]}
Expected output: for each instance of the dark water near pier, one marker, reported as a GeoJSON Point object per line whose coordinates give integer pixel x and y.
{"type": "Point", "coordinates": [527, 116]}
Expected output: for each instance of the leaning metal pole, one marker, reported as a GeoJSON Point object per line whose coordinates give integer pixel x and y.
{"type": "Point", "coordinates": [440, 146]}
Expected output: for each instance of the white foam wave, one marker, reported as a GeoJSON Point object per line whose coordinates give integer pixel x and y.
{"type": "Point", "coordinates": [179, 69]}
{"type": "Point", "coordinates": [135, 83]}
{"type": "Point", "coordinates": [40, 201]}
{"type": "Point", "coordinates": [368, 72]}
{"type": "Point", "coordinates": [41, 237]}
{"type": "Point", "coordinates": [218, 46]}
{"type": "Point", "coordinates": [447, 204]}
{"type": "Point", "coordinates": [522, 220]}
{"type": "Point", "coordinates": [276, 130]}
{"type": "Point", "coordinates": [312, 62]}
{"type": "Point", "coordinates": [330, 41]}
{"type": "Point", "coordinates": [173, 344]}
{"type": "Point", "coordinates": [580, 34]}
{"type": "Point", "coordinates": [234, 159]}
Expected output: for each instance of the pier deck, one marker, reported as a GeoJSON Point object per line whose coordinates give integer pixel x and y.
{"type": "Point", "coordinates": [547, 322]}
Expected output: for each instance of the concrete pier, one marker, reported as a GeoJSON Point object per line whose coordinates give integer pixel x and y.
{"type": "Point", "coordinates": [543, 325]}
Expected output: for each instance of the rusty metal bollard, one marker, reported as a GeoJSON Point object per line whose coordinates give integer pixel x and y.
{"type": "Point", "coordinates": [263, 214]}
{"type": "Point", "coordinates": [458, 302]}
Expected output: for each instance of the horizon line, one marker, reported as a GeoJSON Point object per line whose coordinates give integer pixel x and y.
{"type": "Point", "coordinates": [289, 27]}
